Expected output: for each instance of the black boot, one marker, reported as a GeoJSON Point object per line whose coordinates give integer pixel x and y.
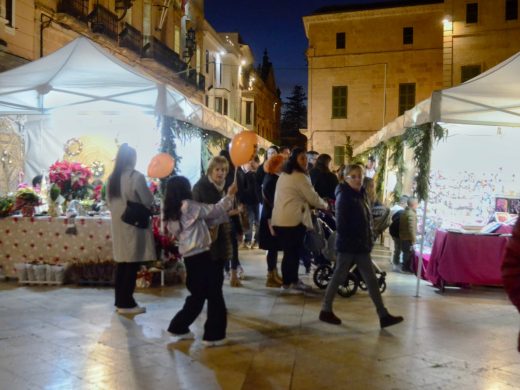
{"type": "Point", "coordinates": [390, 320]}
{"type": "Point", "coordinates": [329, 317]}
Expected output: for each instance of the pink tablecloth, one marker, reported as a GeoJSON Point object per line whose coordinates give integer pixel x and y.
{"type": "Point", "coordinates": [458, 258]}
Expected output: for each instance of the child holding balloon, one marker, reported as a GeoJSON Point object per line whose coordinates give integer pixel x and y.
{"type": "Point", "coordinates": [188, 221]}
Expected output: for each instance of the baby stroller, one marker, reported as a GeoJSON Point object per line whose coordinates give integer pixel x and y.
{"type": "Point", "coordinates": [326, 259]}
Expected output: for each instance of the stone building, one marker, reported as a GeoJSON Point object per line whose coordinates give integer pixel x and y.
{"type": "Point", "coordinates": [368, 63]}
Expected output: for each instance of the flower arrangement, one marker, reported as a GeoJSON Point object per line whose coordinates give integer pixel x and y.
{"type": "Point", "coordinates": [26, 200]}
{"type": "Point", "coordinates": [72, 178]}
{"type": "Point", "coordinates": [6, 205]}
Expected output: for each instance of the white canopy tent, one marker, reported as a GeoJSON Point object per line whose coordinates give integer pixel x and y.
{"type": "Point", "coordinates": [84, 79]}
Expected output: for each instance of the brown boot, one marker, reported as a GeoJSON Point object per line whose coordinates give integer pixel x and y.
{"type": "Point", "coordinates": [271, 280]}
{"type": "Point", "coordinates": [277, 277]}
{"type": "Point", "coordinates": [234, 281]}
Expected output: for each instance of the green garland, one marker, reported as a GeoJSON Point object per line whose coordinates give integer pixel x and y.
{"type": "Point", "coordinates": [396, 147]}
{"type": "Point", "coordinates": [349, 150]}
{"type": "Point", "coordinates": [380, 155]}
{"type": "Point", "coordinates": [420, 139]}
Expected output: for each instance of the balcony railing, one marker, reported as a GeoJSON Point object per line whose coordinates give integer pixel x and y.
{"type": "Point", "coordinates": [131, 38]}
{"type": "Point", "coordinates": [164, 55]}
{"type": "Point", "coordinates": [76, 8]}
{"type": "Point", "coordinates": [104, 22]}
{"type": "Point", "coordinates": [196, 79]}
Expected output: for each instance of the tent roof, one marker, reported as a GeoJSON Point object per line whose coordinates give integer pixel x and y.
{"type": "Point", "coordinates": [79, 73]}
{"type": "Point", "coordinates": [83, 74]}
{"type": "Point", "coordinates": [492, 98]}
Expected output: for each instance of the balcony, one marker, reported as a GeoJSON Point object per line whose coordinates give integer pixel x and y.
{"type": "Point", "coordinates": [195, 79]}
{"type": "Point", "coordinates": [131, 38]}
{"type": "Point", "coordinates": [164, 55]}
{"type": "Point", "coordinates": [76, 8]}
{"type": "Point", "coordinates": [104, 22]}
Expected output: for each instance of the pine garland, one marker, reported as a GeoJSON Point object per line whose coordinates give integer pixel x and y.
{"type": "Point", "coordinates": [420, 139]}
{"type": "Point", "coordinates": [380, 155]}
{"type": "Point", "coordinates": [396, 147]}
{"type": "Point", "coordinates": [349, 150]}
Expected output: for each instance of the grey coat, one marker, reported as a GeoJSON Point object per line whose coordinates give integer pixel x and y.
{"type": "Point", "coordinates": [131, 244]}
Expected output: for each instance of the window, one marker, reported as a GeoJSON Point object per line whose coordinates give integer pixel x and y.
{"type": "Point", "coordinates": [472, 13]}
{"type": "Point", "coordinates": [225, 107]}
{"type": "Point", "coordinates": [339, 102]}
{"type": "Point", "coordinates": [467, 72]}
{"type": "Point", "coordinates": [511, 9]}
{"type": "Point", "coordinates": [6, 12]}
{"type": "Point", "coordinates": [249, 112]}
{"type": "Point", "coordinates": [207, 61]}
{"type": "Point", "coordinates": [218, 105]}
{"type": "Point", "coordinates": [407, 35]}
{"type": "Point", "coordinates": [406, 97]}
{"type": "Point", "coordinates": [340, 40]}
{"type": "Point", "coordinates": [339, 155]}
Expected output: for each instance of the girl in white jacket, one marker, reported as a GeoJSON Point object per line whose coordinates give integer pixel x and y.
{"type": "Point", "coordinates": [188, 221]}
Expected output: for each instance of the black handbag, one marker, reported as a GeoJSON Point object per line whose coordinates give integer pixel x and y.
{"type": "Point", "coordinates": [136, 214]}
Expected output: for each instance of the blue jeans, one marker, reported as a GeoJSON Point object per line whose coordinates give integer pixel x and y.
{"type": "Point", "coordinates": [252, 216]}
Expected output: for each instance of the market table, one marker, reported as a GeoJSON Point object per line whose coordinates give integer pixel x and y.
{"type": "Point", "coordinates": [24, 239]}
{"type": "Point", "coordinates": [465, 259]}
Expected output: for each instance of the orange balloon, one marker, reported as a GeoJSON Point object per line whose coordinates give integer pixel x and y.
{"type": "Point", "coordinates": [243, 147]}
{"type": "Point", "coordinates": [161, 165]}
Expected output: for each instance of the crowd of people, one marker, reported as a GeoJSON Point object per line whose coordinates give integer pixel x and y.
{"type": "Point", "coordinates": [269, 205]}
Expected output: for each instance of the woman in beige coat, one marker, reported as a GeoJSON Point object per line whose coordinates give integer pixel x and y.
{"type": "Point", "coordinates": [131, 245]}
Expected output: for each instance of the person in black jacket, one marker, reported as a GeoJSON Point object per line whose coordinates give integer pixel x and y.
{"type": "Point", "coordinates": [354, 243]}
{"type": "Point", "coordinates": [323, 180]}
{"type": "Point", "coordinates": [267, 239]}
{"type": "Point", "coordinates": [260, 172]}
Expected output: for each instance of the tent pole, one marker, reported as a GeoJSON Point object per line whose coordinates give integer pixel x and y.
{"type": "Point", "coordinates": [423, 227]}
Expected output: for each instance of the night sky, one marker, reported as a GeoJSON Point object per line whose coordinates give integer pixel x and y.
{"type": "Point", "coordinates": [273, 24]}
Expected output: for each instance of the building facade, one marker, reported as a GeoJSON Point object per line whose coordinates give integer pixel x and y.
{"type": "Point", "coordinates": [171, 41]}
{"type": "Point", "coordinates": [370, 63]}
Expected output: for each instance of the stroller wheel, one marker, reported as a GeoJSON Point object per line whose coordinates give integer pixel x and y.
{"type": "Point", "coordinates": [382, 284]}
{"type": "Point", "coordinates": [362, 285]}
{"type": "Point", "coordinates": [349, 287]}
{"type": "Point", "coordinates": [322, 275]}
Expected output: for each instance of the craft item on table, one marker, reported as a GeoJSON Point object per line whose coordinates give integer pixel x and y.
{"type": "Point", "coordinates": [72, 212]}
{"type": "Point", "coordinates": [26, 200]}
{"type": "Point", "coordinates": [6, 205]}
{"type": "Point", "coordinates": [97, 168]}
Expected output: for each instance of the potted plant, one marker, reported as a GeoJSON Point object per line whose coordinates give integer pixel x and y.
{"type": "Point", "coordinates": [26, 200]}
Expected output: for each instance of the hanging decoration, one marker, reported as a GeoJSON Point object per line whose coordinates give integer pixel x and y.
{"type": "Point", "coordinates": [73, 147]}
{"type": "Point", "coordinates": [97, 168]}
{"type": "Point", "coordinates": [349, 150]}
{"type": "Point", "coordinates": [396, 148]}
{"type": "Point", "coordinates": [380, 152]}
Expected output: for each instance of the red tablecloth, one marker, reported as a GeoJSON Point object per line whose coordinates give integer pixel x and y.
{"type": "Point", "coordinates": [458, 258]}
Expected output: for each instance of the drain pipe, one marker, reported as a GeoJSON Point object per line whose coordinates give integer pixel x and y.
{"type": "Point", "coordinates": [43, 26]}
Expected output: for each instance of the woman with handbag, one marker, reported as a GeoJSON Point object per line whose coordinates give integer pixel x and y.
{"type": "Point", "coordinates": [291, 216]}
{"type": "Point", "coordinates": [210, 189]}
{"type": "Point", "coordinates": [354, 242]}
{"type": "Point", "coordinates": [267, 239]}
{"type": "Point", "coordinates": [189, 221]}
{"type": "Point", "coordinates": [133, 242]}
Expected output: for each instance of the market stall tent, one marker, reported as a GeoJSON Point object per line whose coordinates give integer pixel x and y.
{"type": "Point", "coordinates": [85, 80]}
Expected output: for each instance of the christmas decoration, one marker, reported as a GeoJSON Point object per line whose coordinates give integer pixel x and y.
{"type": "Point", "coordinates": [97, 168]}
{"type": "Point", "coordinates": [73, 147]}
{"type": "Point", "coordinates": [72, 179]}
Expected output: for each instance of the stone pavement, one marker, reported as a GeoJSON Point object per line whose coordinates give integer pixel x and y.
{"type": "Point", "coordinates": [70, 338]}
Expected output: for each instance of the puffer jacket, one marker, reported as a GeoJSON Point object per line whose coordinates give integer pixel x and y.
{"type": "Point", "coordinates": [408, 225]}
{"type": "Point", "coordinates": [353, 220]}
{"type": "Point", "coordinates": [511, 269]}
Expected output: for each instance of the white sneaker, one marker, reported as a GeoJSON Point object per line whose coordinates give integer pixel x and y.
{"type": "Point", "coordinates": [215, 343]}
{"type": "Point", "coordinates": [300, 286]}
{"type": "Point", "coordinates": [290, 289]}
{"type": "Point", "coordinates": [240, 272]}
{"type": "Point", "coordinates": [183, 336]}
{"type": "Point", "coordinates": [132, 310]}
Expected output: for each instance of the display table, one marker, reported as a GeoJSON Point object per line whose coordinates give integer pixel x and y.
{"type": "Point", "coordinates": [44, 239]}
{"type": "Point", "coordinates": [464, 259]}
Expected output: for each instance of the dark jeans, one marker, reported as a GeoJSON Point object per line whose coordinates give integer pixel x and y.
{"type": "Point", "coordinates": [272, 259]}
{"type": "Point", "coordinates": [235, 262]}
{"type": "Point", "coordinates": [396, 259]}
{"type": "Point", "coordinates": [305, 257]}
{"type": "Point", "coordinates": [252, 216]}
{"type": "Point", "coordinates": [126, 274]}
{"type": "Point", "coordinates": [291, 239]}
{"type": "Point", "coordinates": [204, 279]}
{"type": "Point", "coordinates": [407, 248]}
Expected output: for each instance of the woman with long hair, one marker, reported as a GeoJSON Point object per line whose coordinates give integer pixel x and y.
{"type": "Point", "coordinates": [131, 245]}
{"type": "Point", "coordinates": [189, 221]}
{"type": "Point", "coordinates": [291, 215]}
{"type": "Point", "coordinates": [267, 239]}
{"type": "Point", "coordinates": [354, 242]}
{"type": "Point", "coordinates": [323, 180]}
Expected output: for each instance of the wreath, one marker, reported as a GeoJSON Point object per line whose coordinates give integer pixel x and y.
{"type": "Point", "coordinates": [97, 168]}
{"type": "Point", "coordinates": [73, 147]}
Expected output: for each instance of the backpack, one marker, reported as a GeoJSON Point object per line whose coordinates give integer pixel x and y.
{"type": "Point", "coordinates": [394, 226]}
